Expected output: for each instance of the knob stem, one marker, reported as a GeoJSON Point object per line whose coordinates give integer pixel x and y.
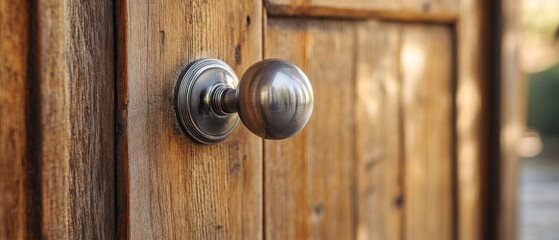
{"type": "Point", "coordinates": [224, 100]}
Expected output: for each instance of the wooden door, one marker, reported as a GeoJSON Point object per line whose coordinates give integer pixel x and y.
{"type": "Point", "coordinates": [395, 148]}
{"type": "Point", "coordinates": [392, 149]}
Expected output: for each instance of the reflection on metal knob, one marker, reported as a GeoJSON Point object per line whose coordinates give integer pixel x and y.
{"type": "Point", "coordinates": [274, 99]}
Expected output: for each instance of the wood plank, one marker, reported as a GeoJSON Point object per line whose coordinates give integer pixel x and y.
{"type": "Point", "coordinates": [402, 10]}
{"type": "Point", "coordinates": [511, 122]}
{"type": "Point", "coordinates": [308, 178]}
{"type": "Point", "coordinates": [57, 116]}
{"type": "Point", "coordinates": [15, 199]}
{"type": "Point", "coordinates": [75, 78]}
{"type": "Point", "coordinates": [426, 73]}
{"type": "Point", "coordinates": [169, 186]}
{"type": "Point", "coordinates": [54, 113]}
{"type": "Point", "coordinates": [472, 117]}
{"type": "Point", "coordinates": [378, 133]}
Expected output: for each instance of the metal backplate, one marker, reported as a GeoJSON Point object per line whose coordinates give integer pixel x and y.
{"type": "Point", "coordinates": [193, 100]}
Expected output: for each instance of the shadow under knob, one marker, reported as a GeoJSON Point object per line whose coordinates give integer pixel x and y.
{"type": "Point", "coordinates": [274, 99]}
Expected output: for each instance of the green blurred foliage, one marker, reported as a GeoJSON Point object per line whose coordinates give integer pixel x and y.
{"type": "Point", "coordinates": [543, 101]}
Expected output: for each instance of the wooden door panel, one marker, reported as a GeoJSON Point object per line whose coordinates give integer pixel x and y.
{"type": "Point", "coordinates": [426, 78]}
{"type": "Point", "coordinates": [375, 161]}
{"type": "Point", "coordinates": [308, 183]}
{"type": "Point", "coordinates": [432, 10]}
{"type": "Point", "coordinates": [169, 186]}
{"type": "Point", "coordinates": [378, 133]}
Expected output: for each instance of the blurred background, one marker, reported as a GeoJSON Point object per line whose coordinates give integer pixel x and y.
{"type": "Point", "coordinates": [539, 174]}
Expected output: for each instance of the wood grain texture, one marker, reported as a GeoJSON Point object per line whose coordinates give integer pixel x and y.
{"type": "Point", "coordinates": [384, 104]}
{"type": "Point", "coordinates": [169, 186]}
{"type": "Point", "coordinates": [15, 199]}
{"type": "Point", "coordinates": [57, 91]}
{"type": "Point", "coordinates": [76, 98]}
{"type": "Point", "coordinates": [54, 115]}
{"type": "Point", "coordinates": [309, 177]}
{"type": "Point", "coordinates": [426, 73]}
{"type": "Point", "coordinates": [472, 117]}
{"type": "Point", "coordinates": [403, 10]}
{"type": "Point", "coordinates": [378, 132]}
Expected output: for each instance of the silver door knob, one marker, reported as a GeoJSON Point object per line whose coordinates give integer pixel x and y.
{"type": "Point", "coordinates": [274, 100]}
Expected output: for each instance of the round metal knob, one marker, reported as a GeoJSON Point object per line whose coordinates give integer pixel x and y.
{"type": "Point", "coordinates": [274, 99]}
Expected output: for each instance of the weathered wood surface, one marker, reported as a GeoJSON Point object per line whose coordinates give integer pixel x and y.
{"type": "Point", "coordinates": [60, 98]}
{"type": "Point", "coordinates": [511, 123]}
{"type": "Point", "coordinates": [16, 222]}
{"type": "Point", "coordinates": [472, 117]}
{"type": "Point", "coordinates": [427, 103]}
{"type": "Point", "coordinates": [75, 77]}
{"type": "Point", "coordinates": [403, 10]}
{"type": "Point", "coordinates": [375, 160]}
{"type": "Point", "coordinates": [308, 177]}
{"type": "Point", "coordinates": [378, 133]}
{"type": "Point", "coordinates": [169, 186]}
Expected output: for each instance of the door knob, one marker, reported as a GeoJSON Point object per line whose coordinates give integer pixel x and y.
{"type": "Point", "coordinates": [274, 99]}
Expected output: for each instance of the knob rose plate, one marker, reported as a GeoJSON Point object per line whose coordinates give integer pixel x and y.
{"type": "Point", "coordinates": [193, 95]}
